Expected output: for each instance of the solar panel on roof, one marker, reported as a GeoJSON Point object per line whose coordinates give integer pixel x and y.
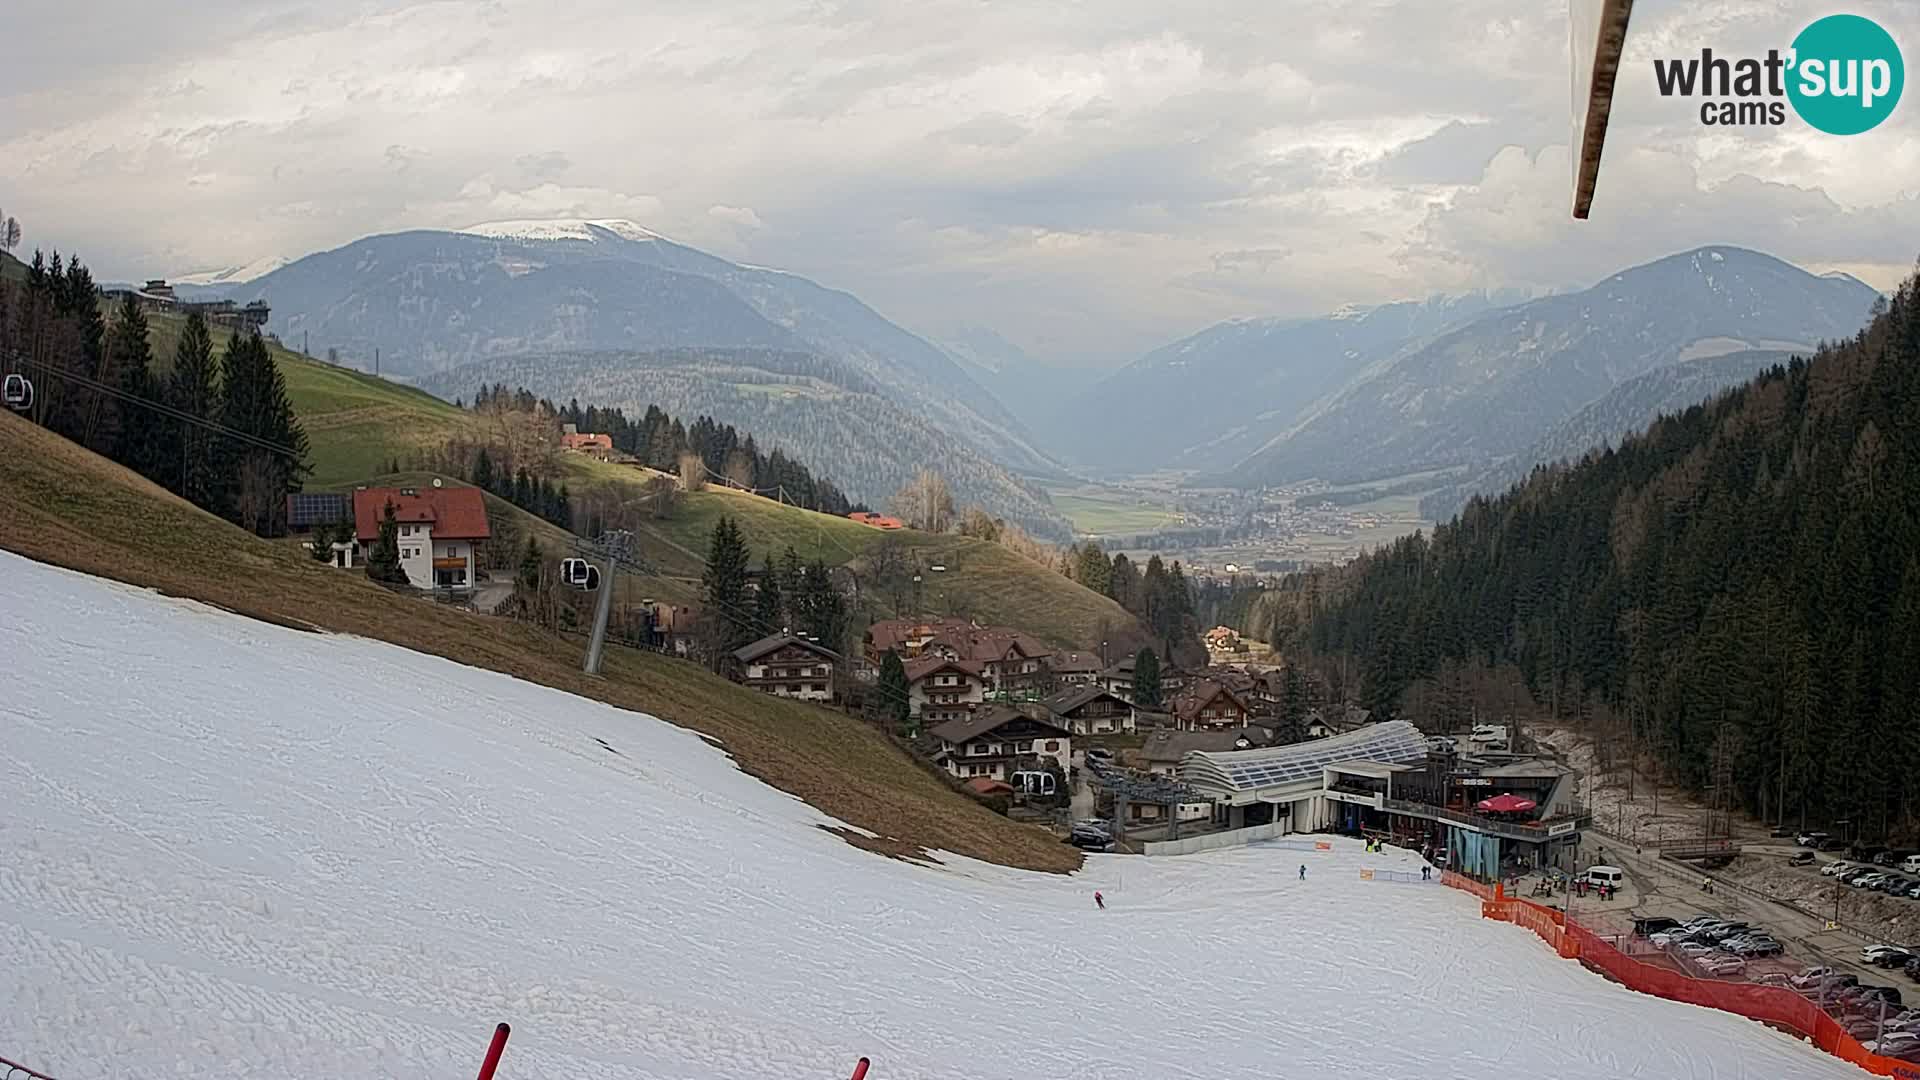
{"type": "Point", "coordinates": [1395, 743]}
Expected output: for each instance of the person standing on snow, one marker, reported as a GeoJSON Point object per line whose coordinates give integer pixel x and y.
{"type": "Point", "coordinates": [1303, 871]}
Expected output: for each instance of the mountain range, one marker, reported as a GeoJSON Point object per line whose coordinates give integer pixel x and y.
{"type": "Point", "coordinates": [1208, 401]}
{"type": "Point", "coordinates": [1479, 393]}
{"type": "Point", "coordinates": [1625, 410]}
{"type": "Point", "coordinates": [431, 302]}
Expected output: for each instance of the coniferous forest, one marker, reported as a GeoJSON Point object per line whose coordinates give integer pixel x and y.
{"type": "Point", "coordinates": [216, 428]}
{"type": "Point", "coordinates": [1739, 585]}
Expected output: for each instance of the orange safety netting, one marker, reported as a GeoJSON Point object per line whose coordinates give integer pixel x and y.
{"type": "Point", "coordinates": [1774, 1005]}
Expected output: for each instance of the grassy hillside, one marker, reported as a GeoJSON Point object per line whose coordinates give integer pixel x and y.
{"type": "Point", "coordinates": [63, 505]}
{"type": "Point", "coordinates": [512, 527]}
{"type": "Point", "coordinates": [357, 423]}
{"type": "Point", "coordinates": [982, 580]}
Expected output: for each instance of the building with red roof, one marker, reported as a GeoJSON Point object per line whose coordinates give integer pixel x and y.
{"type": "Point", "coordinates": [440, 527]}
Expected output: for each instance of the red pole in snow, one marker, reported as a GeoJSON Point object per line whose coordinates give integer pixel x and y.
{"type": "Point", "coordinates": [494, 1051]}
{"type": "Point", "coordinates": [860, 1070]}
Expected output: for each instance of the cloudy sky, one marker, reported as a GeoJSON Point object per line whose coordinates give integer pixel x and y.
{"type": "Point", "coordinates": [1090, 179]}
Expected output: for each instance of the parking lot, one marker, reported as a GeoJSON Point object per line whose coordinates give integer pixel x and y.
{"type": "Point", "coordinates": [1826, 965]}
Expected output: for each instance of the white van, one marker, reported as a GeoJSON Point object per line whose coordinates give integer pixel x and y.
{"type": "Point", "coordinates": [1911, 866]}
{"type": "Point", "coordinates": [1611, 876]}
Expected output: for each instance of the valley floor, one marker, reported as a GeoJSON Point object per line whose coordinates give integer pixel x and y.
{"type": "Point", "coordinates": [233, 849]}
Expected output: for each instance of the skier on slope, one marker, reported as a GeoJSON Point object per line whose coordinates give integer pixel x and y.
{"type": "Point", "coordinates": [1099, 901]}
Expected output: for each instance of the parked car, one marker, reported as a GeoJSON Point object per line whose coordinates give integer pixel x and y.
{"type": "Point", "coordinates": [1895, 885]}
{"type": "Point", "coordinates": [1650, 927]}
{"type": "Point", "coordinates": [1809, 839]}
{"type": "Point", "coordinates": [1912, 968]}
{"type": "Point", "coordinates": [1694, 949]}
{"type": "Point", "coordinates": [1890, 958]}
{"type": "Point", "coordinates": [1893, 856]}
{"type": "Point", "coordinates": [1773, 978]}
{"type": "Point", "coordinates": [1759, 946]}
{"type": "Point", "coordinates": [1101, 754]}
{"type": "Point", "coordinates": [1897, 1041]}
{"type": "Point", "coordinates": [1865, 852]}
{"type": "Point", "coordinates": [1887, 994]}
{"type": "Point", "coordinates": [1871, 953]}
{"type": "Point", "coordinates": [1914, 892]}
{"type": "Point", "coordinates": [1861, 879]}
{"type": "Point", "coordinates": [1800, 858]}
{"type": "Point", "coordinates": [1836, 868]}
{"type": "Point", "coordinates": [1722, 965]}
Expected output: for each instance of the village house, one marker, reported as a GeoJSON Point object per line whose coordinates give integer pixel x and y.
{"type": "Point", "coordinates": [574, 441]}
{"type": "Point", "coordinates": [1075, 668]}
{"type": "Point", "coordinates": [939, 689]}
{"type": "Point", "coordinates": [1118, 679]}
{"type": "Point", "coordinates": [1224, 639]}
{"type": "Point", "coordinates": [877, 521]}
{"type": "Point", "coordinates": [998, 741]}
{"type": "Point", "coordinates": [789, 666]}
{"type": "Point", "coordinates": [439, 530]}
{"type": "Point", "coordinates": [1089, 710]}
{"type": "Point", "coordinates": [1164, 749]}
{"type": "Point", "coordinates": [1336, 720]}
{"type": "Point", "coordinates": [1207, 705]}
{"type": "Point", "coordinates": [1011, 663]}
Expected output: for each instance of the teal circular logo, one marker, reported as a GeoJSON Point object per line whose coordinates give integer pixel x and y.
{"type": "Point", "coordinates": [1846, 75]}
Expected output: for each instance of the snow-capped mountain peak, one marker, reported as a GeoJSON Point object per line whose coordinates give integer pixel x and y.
{"type": "Point", "coordinates": [233, 275]}
{"type": "Point", "coordinates": [563, 229]}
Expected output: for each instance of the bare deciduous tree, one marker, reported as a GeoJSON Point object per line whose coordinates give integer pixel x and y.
{"type": "Point", "coordinates": [693, 472]}
{"type": "Point", "coordinates": [925, 502]}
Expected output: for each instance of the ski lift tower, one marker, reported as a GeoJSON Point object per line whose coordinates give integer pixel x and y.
{"type": "Point", "coordinates": [617, 551]}
{"type": "Point", "coordinates": [1131, 787]}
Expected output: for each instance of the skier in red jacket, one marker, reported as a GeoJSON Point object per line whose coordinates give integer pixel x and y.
{"type": "Point", "coordinates": [1099, 901]}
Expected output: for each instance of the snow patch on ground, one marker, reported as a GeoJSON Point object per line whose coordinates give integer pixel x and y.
{"type": "Point", "coordinates": [231, 849]}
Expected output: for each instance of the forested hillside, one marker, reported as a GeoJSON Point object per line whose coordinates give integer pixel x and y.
{"type": "Point", "coordinates": [821, 411]}
{"type": "Point", "coordinates": [1740, 586]}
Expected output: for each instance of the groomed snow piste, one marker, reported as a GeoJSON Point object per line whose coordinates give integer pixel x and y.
{"type": "Point", "coordinates": [231, 849]}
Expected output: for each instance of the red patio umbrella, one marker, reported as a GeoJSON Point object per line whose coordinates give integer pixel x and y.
{"type": "Point", "coordinates": [1507, 804]}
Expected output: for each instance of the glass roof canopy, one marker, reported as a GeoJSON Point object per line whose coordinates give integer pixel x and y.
{"type": "Point", "coordinates": [1395, 742]}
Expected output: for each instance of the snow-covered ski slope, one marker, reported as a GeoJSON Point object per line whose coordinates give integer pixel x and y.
{"type": "Point", "coordinates": [230, 849]}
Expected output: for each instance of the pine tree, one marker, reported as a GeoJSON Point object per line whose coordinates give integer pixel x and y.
{"type": "Point", "coordinates": [137, 443]}
{"type": "Point", "coordinates": [823, 611]}
{"type": "Point", "coordinates": [791, 573]}
{"type": "Point", "coordinates": [1146, 679]}
{"type": "Point", "coordinates": [724, 586]}
{"type": "Point", "coordinates": [483, 470]}
{"type": "Point", "coordinates": [892, 694]}
{"type": "Point", "coordinates": [256, 403]}
{"type": "Point", "coordinates": [193, 387]}
{"type": "Point", "coordinates": [769, 608]}
{"type": "Point", "coordinates": [1293, 705]}
{"type": "Point", "coordinates": [383, 559]}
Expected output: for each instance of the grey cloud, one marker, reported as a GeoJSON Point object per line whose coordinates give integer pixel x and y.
{"type": "Point", "coordinates": [543, 166]}
{"type": "Point", "coordinates": [1088, 180]}
{"type": "Point", "coordinates": [986, 130]}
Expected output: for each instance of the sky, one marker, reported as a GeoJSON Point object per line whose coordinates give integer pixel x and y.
{"type": "Point", "coordinates": [1087, 179]}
